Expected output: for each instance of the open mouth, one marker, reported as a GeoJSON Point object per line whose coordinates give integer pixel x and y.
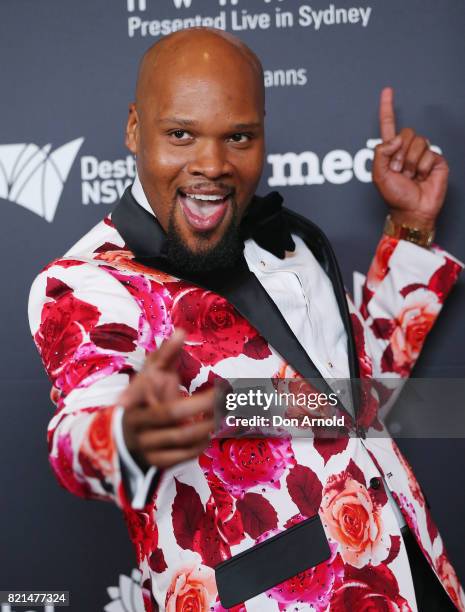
{"type": "Point", "coordinates": [204, 211]}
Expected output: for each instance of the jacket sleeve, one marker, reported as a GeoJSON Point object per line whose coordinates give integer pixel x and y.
{"type": "Point", "coordinates": [402, 296]}
{"type": "Point", "coordinates": [85, 325]}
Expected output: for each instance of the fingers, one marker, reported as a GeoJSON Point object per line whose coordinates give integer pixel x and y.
{"type": "Point", "coordinates": [151, 384]}
{"type": "Point", "coordinates": [387, 120]}
{"type": "Point", "coordinates": [182, 436]}
{"type": "Point", "coordinates": [426, 164]}
{"type": "Point", "coordinates": [162, 437]}
{"type": "Point", "coordinates": [172, 413]}
{"type": "Point", "coordinates": [414, 155]}
{"type": "Point", "coordinates": [170, 349]}
{"type": "Point", "coordinates": [397, 162]}
{"type": "Point", "coordinates": [383, 155]}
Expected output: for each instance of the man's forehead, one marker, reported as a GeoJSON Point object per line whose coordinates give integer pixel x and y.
{"type": "Point", "coordinates": [211, 56]}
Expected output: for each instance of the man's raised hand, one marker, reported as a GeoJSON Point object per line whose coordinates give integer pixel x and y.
{"type": "Point", "coordinates": [411, 178]}
{"type": "Point", "coordinates": [160, 426]}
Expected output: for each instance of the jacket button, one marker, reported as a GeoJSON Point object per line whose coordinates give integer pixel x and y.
{"type": "Point", "coordinates": [375, 483]}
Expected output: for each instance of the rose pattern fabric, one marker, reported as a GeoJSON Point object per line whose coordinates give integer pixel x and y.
{"type": "Point", "coordinates": [414, 322]}
{"type": "Point", "coordinates": [242, 464]}
{"type": "Point", "coordinates": [369, 589]}
{"type": "Point", "coordinates": [353, 518]}
{"type": "Point", "coordinates": [215, 331]}
{"type": "Point", "coordinates": [96, 313]}
{"type": "Point", "coordinates": [192, 588]}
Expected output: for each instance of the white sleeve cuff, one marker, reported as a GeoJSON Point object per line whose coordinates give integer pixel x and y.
{"type": "Point", "coordinates": [139, 483]}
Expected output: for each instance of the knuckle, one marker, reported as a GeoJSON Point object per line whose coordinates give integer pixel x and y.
{"type": "Point", "coordinates": [169, 411]}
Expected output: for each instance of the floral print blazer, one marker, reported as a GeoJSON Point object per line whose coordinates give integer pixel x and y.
{"type": "Point", "coordinates": [97, 311]}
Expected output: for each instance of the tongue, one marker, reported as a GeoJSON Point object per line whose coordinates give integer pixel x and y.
{"type": "Point", "coordinates": [203, 216]}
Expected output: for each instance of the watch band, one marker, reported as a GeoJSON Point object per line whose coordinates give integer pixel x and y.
{"type": "Point", "coordinates": [416, 235]}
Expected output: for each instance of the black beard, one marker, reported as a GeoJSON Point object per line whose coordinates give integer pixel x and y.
{"type": "Point", "coordinates": [223, 256]}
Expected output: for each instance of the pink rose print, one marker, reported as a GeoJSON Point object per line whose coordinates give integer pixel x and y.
{"type": "Point", "coordinates": [371, 589]}
{"type": "Point", "coordinates": [313, 586]}
{"type": "Point", "coordinates": [244, 463]}
{"type": "Point", "coordinates": [154, 302]}
{"type": "Point", "coordinates": [379, 266]}
{"type": "Point", "coordinates": [62, 465]}
{"type": "Point", "coordinates": [353, 519]}
{"type": "Point", "coordinates": [413, 324]}
{"type": "Point", "coordinates": [215, 330]}
{"type": "Point", "coordinates": [86, 367]}
{"type": "Point", "coordinates": [192, 588]}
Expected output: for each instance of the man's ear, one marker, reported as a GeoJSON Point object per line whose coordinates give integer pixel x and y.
{"type": "Point", "coordinates": [132, 125]}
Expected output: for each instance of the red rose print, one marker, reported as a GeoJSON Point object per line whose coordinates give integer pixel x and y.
{"type": "Point", "coordinates": [115, 337]}
{"type": "Point", "coordinates": [366, 368]}
{"type": "Point", "coordinates": [449, 579]}
{"type": "Point", "coordinates": [215, 330]}
{"type": "Point", "coordinates": [412, 481]}
{"type": "Point", "coordinates": [258, 515]}
{"type": "Point", "coordinates": [444, 278]}
{"type": "Point", "coordinates": [142, 529]}
{"type": "Point", "coordinates": [187, 513]}
{"type": "Point", "coordinates": [305, 489]}
{"type": "Point", "coordinates": [372, 589]}
{"type": "Point", "coordinates": [63, 322]}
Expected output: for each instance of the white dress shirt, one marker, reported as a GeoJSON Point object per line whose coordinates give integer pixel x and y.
{"type": "Point", "coordinates": [304, 294]}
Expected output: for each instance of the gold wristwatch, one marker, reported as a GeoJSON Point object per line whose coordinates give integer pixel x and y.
{"type": "Point", "coordinates": [416, 235]}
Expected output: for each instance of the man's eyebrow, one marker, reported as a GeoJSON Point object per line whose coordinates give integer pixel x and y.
{"type": "Point", "coordinates": [192, 122]}
{"type": "Point", "coordinates": [179, 120]}
{"type": "Point", "coordinates": [247, 126]}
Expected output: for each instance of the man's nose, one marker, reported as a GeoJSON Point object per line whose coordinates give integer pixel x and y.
{"type": "Point", "coordinates": [210, 160]}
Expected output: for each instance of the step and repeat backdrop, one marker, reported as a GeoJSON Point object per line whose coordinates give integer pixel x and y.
{"type": "Point", "coordinates": [68, 73]}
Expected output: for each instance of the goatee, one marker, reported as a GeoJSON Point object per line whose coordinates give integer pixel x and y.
{"type": "Point", "coordinates": [204, 260]}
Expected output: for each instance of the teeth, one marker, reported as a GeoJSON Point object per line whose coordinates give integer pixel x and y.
{"type": "Point", "coordinates": [203, 210]}
{"type": "Point", "coordinates": [204, 198]}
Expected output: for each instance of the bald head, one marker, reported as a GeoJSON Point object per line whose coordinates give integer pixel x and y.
{"type": "Point", "coordinates": [198, 48]}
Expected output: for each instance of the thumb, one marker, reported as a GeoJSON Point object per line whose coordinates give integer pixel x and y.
{"type": "Point", "coordinates": [386, 150]}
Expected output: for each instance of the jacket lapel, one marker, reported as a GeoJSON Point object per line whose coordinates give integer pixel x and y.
{"type": "Point", "coordinates": [144, 236]}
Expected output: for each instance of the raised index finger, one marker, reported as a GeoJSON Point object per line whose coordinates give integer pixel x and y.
{"type": "Point", "coordinates": [387, 119]}
{"type": "Point", "coordinates": [170, 349]}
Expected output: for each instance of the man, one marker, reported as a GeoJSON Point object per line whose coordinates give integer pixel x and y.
{"type": "Point", "coordinates": [193, 279]}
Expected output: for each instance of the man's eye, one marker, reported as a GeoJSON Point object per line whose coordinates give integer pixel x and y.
{"type": "Point", "coordinates": [239, 137]}
{"type": "Point", "coordinates": [179, 134]}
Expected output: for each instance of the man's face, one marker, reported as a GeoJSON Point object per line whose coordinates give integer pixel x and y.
{"type": "Point", "coordinates": [198, 136]}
